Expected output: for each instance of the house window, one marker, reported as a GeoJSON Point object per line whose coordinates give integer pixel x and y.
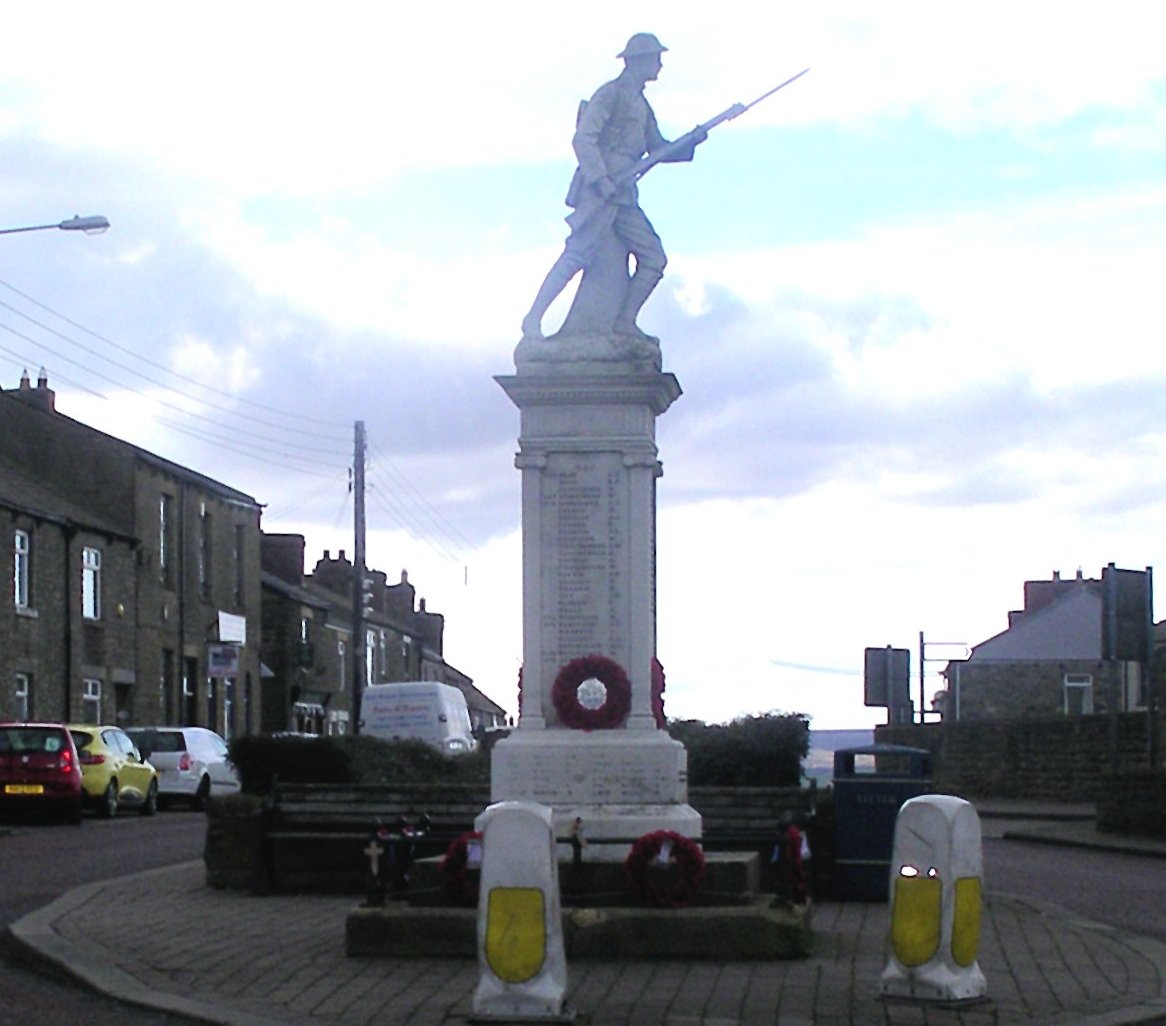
{"type": "Point", "coordinates": [23, 552]}
{"type": "Point", "coordinates": [370, 657]}
{"type": "Point", "coordinates": [239, 566]}
{"type": "Point", "coordinates": [1078, 694]}
{"type": "Point", "coordinates": [189, 689]}
{"type": "Point", "coordinates": [228, 706]}
{"type": "Point", "coordinates": [204, 553]}
{"type": "Point", "coordinates": [164, 520]}
{"type": "Point", "coordinates": [91, 583]}
{"type": "Point", "coordinates": [22, 697]}
{"type": "Point", "coordinates": [307, 654]}
{"type": "Point", "coordinates": [212, 703]}
{"type": "Point", "coordinates": [91, 700]}
{"type": "Point", "coordinates": [342, 661]}
{"type": "Point", "coordinates": [166, 686]}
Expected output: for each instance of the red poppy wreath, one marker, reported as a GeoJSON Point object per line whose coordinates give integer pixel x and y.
{"type": "Point", "coordinates": [617, 699]}
{"type": "Point", "coordinates": [665, 869]}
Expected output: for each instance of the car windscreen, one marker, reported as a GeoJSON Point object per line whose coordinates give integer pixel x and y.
{"type": "Point", "coordinates": [168, 741]}
{"type": "Point", "coordinates": [81, 738]}
{"type": "Point", "coordinates": [31, 739]}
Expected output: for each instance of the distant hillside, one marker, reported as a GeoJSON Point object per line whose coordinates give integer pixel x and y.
{"type": "Point", "coordinates": [832, 740]}
{"type": "Point", "coordinates": [819, 763]}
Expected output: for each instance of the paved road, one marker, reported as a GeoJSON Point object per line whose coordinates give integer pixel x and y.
{"type": "Point", "coordinates": [1123, 891]}
{"type": "Point", "coordinates": [40, 861]}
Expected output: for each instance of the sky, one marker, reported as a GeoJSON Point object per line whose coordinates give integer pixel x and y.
{"type": "Point", "coordinates": [912, 299]}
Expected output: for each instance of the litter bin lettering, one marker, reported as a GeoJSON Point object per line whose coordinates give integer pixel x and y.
{"type": "Point", "coordinates": [870, 785]}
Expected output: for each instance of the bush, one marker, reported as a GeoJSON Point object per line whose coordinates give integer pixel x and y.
{"type": "Point", "coordinates": [375, 761]}
{"type": "Point", "coordinates": [233, 829]}
{"type": "Point", "coordinates": [349, 760]}
{"type": "Point", "coordinates": [751, 751]}
{"type": "Point", "coordinates": [259, 758]}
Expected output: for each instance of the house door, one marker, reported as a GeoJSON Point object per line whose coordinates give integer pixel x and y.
{"type": "Point", "coordinates": [123, 705]}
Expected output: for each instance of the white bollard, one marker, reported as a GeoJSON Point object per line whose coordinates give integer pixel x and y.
{"type": "Point", "coordinates": [521, 956]}
{"type": "Point", "coordinates": [935, 896]}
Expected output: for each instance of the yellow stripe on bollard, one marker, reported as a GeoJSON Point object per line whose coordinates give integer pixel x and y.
{"type": "Point", "coordinates": [516, 933]}
{"type": "Point", "coordinates": [965, 927]}
{"type": "Point", "coordinates": [915, 919]}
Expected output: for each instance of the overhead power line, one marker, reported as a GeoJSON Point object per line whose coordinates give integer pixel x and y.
{"type": "Point", "coordinates": [292, 439]}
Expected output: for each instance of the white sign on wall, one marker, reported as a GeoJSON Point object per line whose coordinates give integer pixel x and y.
{"type": "Point", "coordinates": [232, 628]}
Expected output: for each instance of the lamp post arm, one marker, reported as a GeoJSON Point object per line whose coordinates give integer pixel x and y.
{"type": "Point", "coordinates": [91, 225]}
{"type": "Point", "coordinates": [30, 228]}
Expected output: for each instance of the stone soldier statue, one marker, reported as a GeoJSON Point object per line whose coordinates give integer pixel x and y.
{"type": "Point", "coordinates": [615, 129]}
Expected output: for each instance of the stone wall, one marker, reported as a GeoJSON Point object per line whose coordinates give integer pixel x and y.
{"type": "Point", "coordinates": [1062, 759]}
{"type": "Point", "coordinates": [1133, 803]}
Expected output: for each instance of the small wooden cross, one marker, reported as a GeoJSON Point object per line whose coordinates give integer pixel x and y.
{"type": "Point", "coordinates": [374, 851]}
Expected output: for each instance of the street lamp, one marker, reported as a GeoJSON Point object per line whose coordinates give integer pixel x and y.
{"type": "Point", "coordinates": [92, 225]}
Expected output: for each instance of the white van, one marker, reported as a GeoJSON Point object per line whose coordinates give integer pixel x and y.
{"type": "Point", "coordinates": [421, 709]}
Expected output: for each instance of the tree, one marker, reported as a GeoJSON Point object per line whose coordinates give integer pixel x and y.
{"type": "Point", "coordinates": [751, 751]}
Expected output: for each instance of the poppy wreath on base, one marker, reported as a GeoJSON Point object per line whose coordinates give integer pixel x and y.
{"type": "Point", "coordinates": [665, 869]}
{"type": "Point", "coordinates": [658, 694]}
{"type": "Point", "coordinates": [461, 879]}
{"type": "Point", "coordinates": [616, 704]}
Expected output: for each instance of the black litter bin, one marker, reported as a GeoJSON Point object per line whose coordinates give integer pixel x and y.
{"type": "Point", "coordinates": [870, 784]}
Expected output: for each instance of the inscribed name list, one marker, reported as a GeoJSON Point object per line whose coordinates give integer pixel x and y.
{"type": "Point", "coordinates": [585, 534]}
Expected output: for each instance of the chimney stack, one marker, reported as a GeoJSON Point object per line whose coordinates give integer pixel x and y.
{"type": "Point", "coordinates": [42, 397]}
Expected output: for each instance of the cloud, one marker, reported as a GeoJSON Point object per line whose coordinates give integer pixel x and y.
{"type": "Point", "coordinates": [912, 302]}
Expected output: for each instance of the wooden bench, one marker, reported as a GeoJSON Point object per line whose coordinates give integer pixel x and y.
{"type": "Point", "coordinates": [747, 817]}
{"type": "Point", "coordinates": [317, 831]}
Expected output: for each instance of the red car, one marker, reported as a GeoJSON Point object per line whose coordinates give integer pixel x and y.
{"type": "Point", "coordinates": [39, 770]}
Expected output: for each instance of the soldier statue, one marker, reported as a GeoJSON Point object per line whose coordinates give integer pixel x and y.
{"type": "Point", "coordinates": [614, 132]}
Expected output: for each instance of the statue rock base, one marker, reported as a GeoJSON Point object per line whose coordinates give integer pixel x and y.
{"type": "Point", "coordinates": [622, 784]}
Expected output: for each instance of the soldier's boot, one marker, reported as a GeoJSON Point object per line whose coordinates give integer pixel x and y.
{"type": "Point", "coordinates": [640, 287]}
{"type": "Point", "coordinates": [554, 283]}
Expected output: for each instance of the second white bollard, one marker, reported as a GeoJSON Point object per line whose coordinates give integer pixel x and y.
{"type": "Point", "coordinates": [936, 885]}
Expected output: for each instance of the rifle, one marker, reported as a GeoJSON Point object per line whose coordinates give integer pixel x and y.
{"type": "Point", "coordinates": [693, 138]}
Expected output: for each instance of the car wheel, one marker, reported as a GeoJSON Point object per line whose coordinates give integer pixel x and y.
{"type": "Point", "coordinates": [107, 809]}
{"type": "Point", "coordinates": [198, 802]}
{"type": "Point", "coordinates": [74, 816]}
{"type": "Point", "coordinates": [150, 805]}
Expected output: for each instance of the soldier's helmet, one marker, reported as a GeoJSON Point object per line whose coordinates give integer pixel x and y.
{"type": "Point", "coordinates": [642, 44]}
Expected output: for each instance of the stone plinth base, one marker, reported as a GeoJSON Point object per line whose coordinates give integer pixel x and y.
{"type": "Point", "coordinates": [621, 783]}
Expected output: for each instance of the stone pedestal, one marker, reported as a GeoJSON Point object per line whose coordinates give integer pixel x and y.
{"type": "Point", "coordinates": [587, 453]}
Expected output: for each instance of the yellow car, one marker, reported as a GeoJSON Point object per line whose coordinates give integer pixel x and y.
{"type": "Point", "coordinates": [113, 771]}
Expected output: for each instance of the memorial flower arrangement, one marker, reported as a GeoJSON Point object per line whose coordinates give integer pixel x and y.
{"type": "Point", "coordinates": [461, 866]}
{"type": "Point", "coordinates": [658, 694]}
{"type": "Point", "coordinates": [665, 869]}
{"type": "Point", "coordinates": [616, 703]}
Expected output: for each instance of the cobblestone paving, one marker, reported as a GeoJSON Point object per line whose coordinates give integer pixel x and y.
{"type": "Point", "coordinates": [280, 959]}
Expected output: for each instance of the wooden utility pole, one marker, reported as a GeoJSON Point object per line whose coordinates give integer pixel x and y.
{"type": "Point", "coordinates": [359, 655]}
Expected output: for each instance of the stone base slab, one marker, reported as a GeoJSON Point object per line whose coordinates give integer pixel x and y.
{"type": "Point", "coordinates": [622, 784]}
